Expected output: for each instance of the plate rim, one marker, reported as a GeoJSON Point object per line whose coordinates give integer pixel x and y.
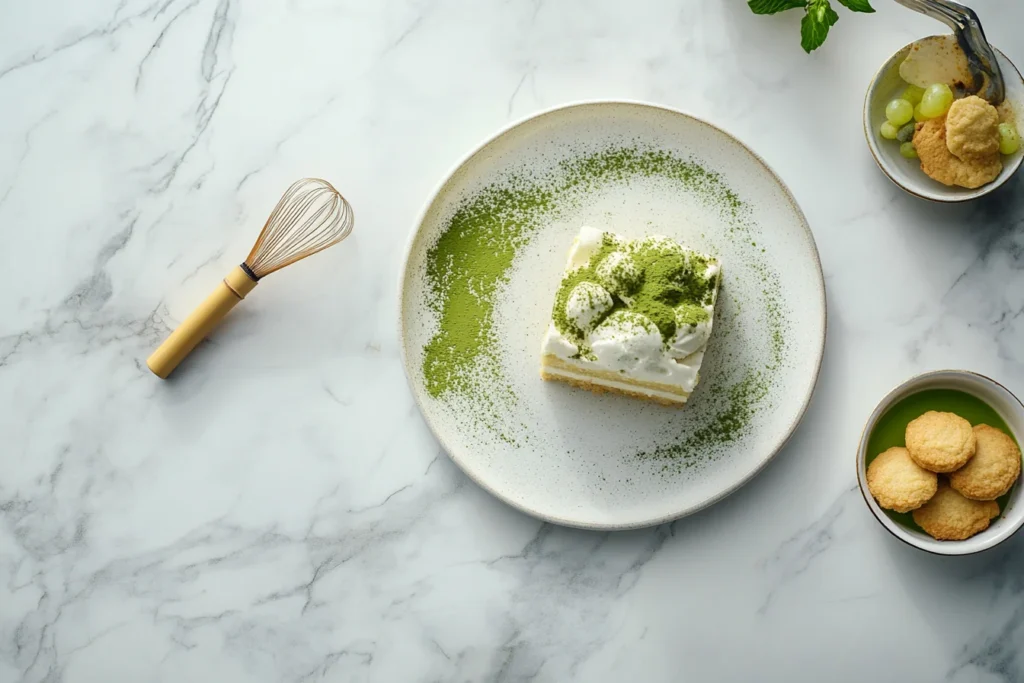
{"type": "Point", "coordinates": [604, 526]}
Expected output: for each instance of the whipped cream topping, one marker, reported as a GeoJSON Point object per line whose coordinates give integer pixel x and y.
{"type": "Point", "coordinates": [690, 339]}
{"type": "Point", "coordinates": [588, 302]}
{"type": "Point", "coordinates": [619, 273]}
{"type": "Point", "coordinates": [626, 341]}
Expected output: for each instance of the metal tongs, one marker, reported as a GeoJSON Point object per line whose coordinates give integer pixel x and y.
{"type": "Point", "coordinates": [981, 58]}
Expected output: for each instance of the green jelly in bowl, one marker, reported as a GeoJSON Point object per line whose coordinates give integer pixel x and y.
{"type": "Point", "coordinates": [976, 398]}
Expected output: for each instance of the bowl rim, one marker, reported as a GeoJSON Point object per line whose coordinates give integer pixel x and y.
{"type": "Point", "coordinates": [955, 548]}
{"type": "Point", "coordinates": [869, 136]}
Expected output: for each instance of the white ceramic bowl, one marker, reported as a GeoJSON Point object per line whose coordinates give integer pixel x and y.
{"type": "Point", "coordinates": [1000, 399]}
{"type": "Point", "coordinates": [907, 173]}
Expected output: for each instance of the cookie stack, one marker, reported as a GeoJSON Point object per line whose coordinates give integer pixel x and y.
{"type": "Point", "coordinates": [980, 464]}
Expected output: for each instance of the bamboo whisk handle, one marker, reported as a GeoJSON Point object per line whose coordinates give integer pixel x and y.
{"type": "Point", "coordinates": [200, 322]}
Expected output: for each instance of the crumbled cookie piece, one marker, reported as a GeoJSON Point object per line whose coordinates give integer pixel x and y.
{"type": "Point", "coordinates": [943, 166]}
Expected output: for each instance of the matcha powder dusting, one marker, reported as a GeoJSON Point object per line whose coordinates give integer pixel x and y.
{"type": "Point", "coordinates": [465, 269]}
{"type": "Point", "coordinates": [472, 261]}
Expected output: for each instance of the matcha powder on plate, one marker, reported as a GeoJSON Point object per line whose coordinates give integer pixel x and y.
{"type": "Point", "coordinates": [472, 260]}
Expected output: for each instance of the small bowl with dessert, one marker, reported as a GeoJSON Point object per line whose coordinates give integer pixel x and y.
{"type": "Point", "coordinates": [939, 462]}
{"type": "Point", "coordinates": [930, 129]}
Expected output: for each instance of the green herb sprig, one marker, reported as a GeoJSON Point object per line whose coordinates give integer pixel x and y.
{"type": "Point", "coordinates": [819, 17]}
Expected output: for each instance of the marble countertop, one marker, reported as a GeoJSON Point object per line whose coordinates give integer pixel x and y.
{"type": "Point", "coordinates": [279, 510]}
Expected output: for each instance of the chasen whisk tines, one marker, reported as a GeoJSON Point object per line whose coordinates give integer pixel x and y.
{"type": "Point", "coordinates": [310, 217]}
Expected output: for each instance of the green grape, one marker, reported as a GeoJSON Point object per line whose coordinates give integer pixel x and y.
{"type": "Point", "coordinates": [936, 100]}
{"type": "Point", "coordinates": [913, 94]}
{"type": "Point", "coordinates": [1009, 140]}
{"type": "Point", "coordinates": [889, 131]}
{"type": "Point", "coordinates": [918, 116]}
{"type": "Point", "coordinates": [906, 133]}
{"type": "Point", "coordinates": [899, 112]}
{"type": "Point", "coordinates": [908, 151]}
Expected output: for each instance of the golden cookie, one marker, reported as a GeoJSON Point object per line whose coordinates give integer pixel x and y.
{"type": "Point", "coordinates": [972, 129]}
{"type": "Point", "coordinates": [948, 516]}
{"type": "Point", "coordinates": [898, 483]}
{"type": "Point", "coordinates": [992, 470]}
{"type": "Point", "coordinates": [940, 442]}
{"type": "Point", "coordinates": [940, 164]}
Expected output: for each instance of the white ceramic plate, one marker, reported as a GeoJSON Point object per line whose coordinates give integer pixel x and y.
{"type": "Point", "coordinates": [516, 203]}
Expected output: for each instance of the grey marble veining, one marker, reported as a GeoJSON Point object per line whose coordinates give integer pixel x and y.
{"type": "Point", "coordinates": [278, 511]}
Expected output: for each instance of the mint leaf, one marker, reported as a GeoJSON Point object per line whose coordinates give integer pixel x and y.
{"type": "Point", "coordinates": [775, 6]}
{"type": "Point", "coordinates": [815, 25]}
{"type": "Point", "coordinates": [858, 5]}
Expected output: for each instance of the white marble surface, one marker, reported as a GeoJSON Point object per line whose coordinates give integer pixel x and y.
{"type": "Point", "coordinates": [279, 511]}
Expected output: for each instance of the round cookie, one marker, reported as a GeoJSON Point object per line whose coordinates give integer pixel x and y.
{"type": "Point", "coordinates": [940, 442]}
{"type": "Point", "coordinates": [898, 483]}
{"type": "Point", "coordinates": [992, 470]}
{"type": "Point", "coordinates": [948, 516]}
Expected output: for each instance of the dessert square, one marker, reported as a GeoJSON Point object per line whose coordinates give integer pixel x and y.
{"type": "Point", "coordinates": [631, 317]}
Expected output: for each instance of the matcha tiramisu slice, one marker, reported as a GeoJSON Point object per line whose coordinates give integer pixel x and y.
{"type": "Point", "coordinates": [631, 317]}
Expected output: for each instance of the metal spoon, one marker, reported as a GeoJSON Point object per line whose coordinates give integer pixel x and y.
{"type": "Point", "coordinates": [981, 58]}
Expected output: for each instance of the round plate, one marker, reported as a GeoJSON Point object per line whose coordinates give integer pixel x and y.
{"type": "Point", "coordinates": [481, 273]}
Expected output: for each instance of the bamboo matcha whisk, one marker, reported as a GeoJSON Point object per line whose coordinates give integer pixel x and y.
{"type": "Point", "coordinates": [310, 217]}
